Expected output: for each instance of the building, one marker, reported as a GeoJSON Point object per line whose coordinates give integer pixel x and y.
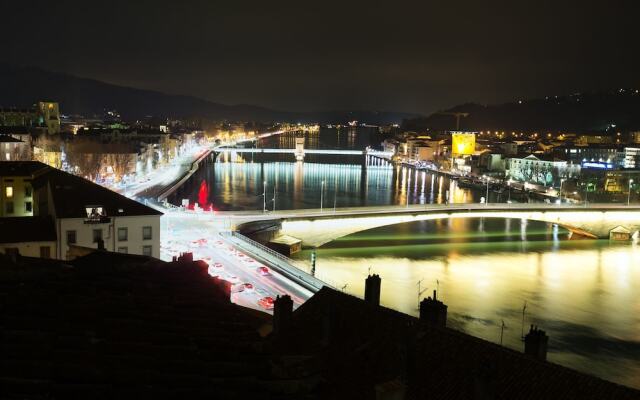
{"type": "Point", "coordinates": [43, 114]}
{"type": "Point", "coordinates": [604, 156]}
{"type": "Point", "coordinates": [16, 186]}
{"type": "Point", "coordinates": [27, 236]}
{"type": "Point", "coordinates": [12, 149]}
{"type": "Point", "coordinates": [630, 157]}
{"type": "Point", "coordinates": [84, 214]}
{"type": "Point", "coordinates": [49, 114]}
{"type": "Point", "coordinates": [540, 171]}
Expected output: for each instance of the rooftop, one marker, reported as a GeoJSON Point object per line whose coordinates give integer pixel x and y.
{"type": "Point", "coordinates": [366, 345]}
{"type": "Point", "coordinates": [117, 326]}
{"type": "Point", "coordinates": [26, 229]}
{"type": "Point", "coordinates": [72, 194]}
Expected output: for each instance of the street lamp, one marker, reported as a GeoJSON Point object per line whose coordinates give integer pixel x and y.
{"type": "Point", "coordinates": [321, 194]}
{"type": "Point", "coordinates": [629, 194]}
{"type": "Point", "coordinates": [264, 196]}
{"type": "Point", "coordinates": [486, 200]}
{"type": "Point", "coordinates": [561, 182]}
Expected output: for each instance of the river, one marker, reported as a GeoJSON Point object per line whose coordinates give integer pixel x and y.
{"type": "Point", "coordinates": [584, 293]}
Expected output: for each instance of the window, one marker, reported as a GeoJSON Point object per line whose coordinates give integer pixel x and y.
{"type": "Point", "coordinates": [71, 237]}
{"type": "Point", "coordinates": [123, 234]}
{"type": "Point", "coordinates": [147, 250]}
{"type": "Point", "coordinates": [123, 250]}
{"type": "Point", "coordinates": [9, 192]}
{"type": "Point", "coordinates": [45, 252]}
{"type": "Point", "coordinates": [9, 207]}
{"type": "Point", "coordinates": [97, 235]}
{"type": "Point", "coordinates": [146, 233]}
{"type": "Point", "coordinates": [27, 191]}
{"type": "Point", "coordinates": [28, 206]}
{"type": "Point", "coordinates": [12, 251]}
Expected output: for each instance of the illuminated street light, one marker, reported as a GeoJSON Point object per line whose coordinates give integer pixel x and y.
{"type": "Point", "coordinates": [321, 194]}
{"type": "Point", "coordinates": [264, 196]}
{"type": "Point", "coordinates": [486, 200]}
{"type": "Point", "coordinates": [629, 194]}
{"type": "Point", "coordinates": [561, 182]}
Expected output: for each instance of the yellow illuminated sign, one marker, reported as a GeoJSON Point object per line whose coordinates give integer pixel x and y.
{"type": "Point", "coordinates": [463, 144]}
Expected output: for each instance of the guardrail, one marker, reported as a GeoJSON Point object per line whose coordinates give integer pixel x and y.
{"type": "Point", "coordinates": [194, 167]}
{"type": "Point", "coordinates": [295, 270]}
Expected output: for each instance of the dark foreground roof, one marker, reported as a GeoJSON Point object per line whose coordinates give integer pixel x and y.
{"type": "Point", "coordinates": [72, 194]}
{"type": "Point", "coordinates": [111, 326]}
{"type": "Point", "coordinates": [21, 168]}
{"type": "Point", "coordinates": [26, 229]}
{"type": "Point", "coordinates": [367, 348]}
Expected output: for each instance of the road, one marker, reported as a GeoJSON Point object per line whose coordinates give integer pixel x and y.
{"type": "Point", "coordinates": [183, 232]}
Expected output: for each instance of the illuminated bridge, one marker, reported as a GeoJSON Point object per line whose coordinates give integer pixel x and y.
{"type": "Point", "coordinates": [298, 151]}
{"type": "Point", "coordinates": [316, 227]}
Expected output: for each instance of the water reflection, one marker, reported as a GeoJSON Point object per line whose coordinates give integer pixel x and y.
{"type": "Point", "coordinates": [235, 182]}
{"type": "Point", "coordinates": [586, 294]}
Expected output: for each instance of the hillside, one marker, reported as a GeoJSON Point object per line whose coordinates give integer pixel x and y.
{"type": "Point", "coordinates": [580, 112]}
{"type": "Point", "coordinates": [22, 86]}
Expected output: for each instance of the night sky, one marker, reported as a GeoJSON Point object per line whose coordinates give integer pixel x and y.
{"type": "Point", "coordinates": [323, 55]}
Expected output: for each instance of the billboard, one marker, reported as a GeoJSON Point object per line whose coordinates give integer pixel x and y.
{"type": "Point", "coordinates": [463, 143]}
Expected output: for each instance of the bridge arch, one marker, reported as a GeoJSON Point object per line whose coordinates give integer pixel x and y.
{"type": "Point", "coordinates": [319, 230]}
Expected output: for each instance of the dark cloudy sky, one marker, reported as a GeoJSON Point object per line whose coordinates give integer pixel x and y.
{"type": "Point", "coordinates": [318, 55]}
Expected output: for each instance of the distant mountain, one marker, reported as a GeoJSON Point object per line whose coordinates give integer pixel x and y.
{"type": "Point", "coordinates": [579, 113]}
{"type": "Point", "coordinates": [22, 86]}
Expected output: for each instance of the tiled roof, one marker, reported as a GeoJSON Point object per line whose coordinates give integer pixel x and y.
{"type": "Point", "coordinates": [116, 326]}
{"type": "Point", "coordinates": [22, 168]}
{"type": "Point", "coordinates": [26, 229]}
{"type": "Point", "coordinates": [9, 139]}
{"type": "Point", "coordinates": [365, 345]}
{"type": "Point", "coordinates": [71, 194]}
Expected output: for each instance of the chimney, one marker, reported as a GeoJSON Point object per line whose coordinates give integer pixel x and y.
{"type": "Point", "coordinates": [372, 290]}
{"type": "Point", "coordinates": [282, 311]}
{"type": "Point", "coordinates": [186, 257]}
{"type": "Point", "coordinates": [433, 312]}
{"type": "Point", "coordinates": [535, 343]}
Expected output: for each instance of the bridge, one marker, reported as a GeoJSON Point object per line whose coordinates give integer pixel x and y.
{"type": "Point", "coordinates": [317, 227]}
{"type": "Point", "coordinates": [299, 152]}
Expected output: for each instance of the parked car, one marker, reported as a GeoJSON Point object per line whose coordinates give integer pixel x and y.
{"type": "Point", "coordinates": [266, 303]}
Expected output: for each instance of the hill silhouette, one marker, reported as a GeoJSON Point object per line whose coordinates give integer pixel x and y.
{"type": "Point", "coordinates": [22, 86]}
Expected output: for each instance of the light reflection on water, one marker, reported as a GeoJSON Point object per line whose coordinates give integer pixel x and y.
{"type": "Point", "coordinates": [238, 184]}
{"type": "Point", "coordinates": [585, 294]}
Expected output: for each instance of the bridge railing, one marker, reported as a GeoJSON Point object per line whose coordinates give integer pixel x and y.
{"type": "Point", "coordinates": [295, 270]}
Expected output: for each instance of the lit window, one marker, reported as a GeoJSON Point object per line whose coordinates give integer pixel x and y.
{"type": "Point", "coordinates": [9, 192]}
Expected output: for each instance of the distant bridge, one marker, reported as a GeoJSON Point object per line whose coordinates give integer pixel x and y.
{"type": "Point", "coordinates": [316, 227]}
{"type": "Point", "coordinates": [367, 152]}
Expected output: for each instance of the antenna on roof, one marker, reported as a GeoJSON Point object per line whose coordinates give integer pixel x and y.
{"type": "Point", "coordinates": [420, 291]}
{"type": "Point", "coordinates": [524, 309]}
{"type": "Point", "coordinates": [344, 287]}
{"type": "Point", "coordinates": [502, 331]}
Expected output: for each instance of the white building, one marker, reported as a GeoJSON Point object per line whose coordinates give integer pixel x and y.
{"type": "Point", "coordinates": [536, 171]}
{"type": "Point", "coordinates": [86, 214]}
